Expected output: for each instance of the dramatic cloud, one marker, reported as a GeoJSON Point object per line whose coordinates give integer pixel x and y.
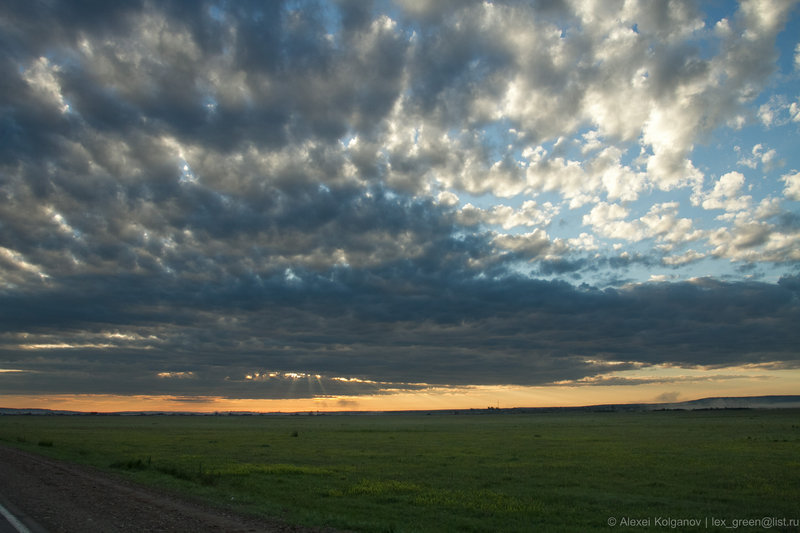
{"type": "Point", "coordinates": [307, 199]}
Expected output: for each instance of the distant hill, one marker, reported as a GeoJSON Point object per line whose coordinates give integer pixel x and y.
{"type": "Point", "coordinates": [743, 402]}
{"type": "Point", "coordinates": [11, 411]}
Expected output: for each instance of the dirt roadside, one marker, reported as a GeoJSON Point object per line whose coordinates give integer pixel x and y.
{"type": "Point", "coordinates": [66, 498]}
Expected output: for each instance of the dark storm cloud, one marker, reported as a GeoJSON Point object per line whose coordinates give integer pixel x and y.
{"type": "Point", "coordinates": [389, 325]}
{"type": "Point", "coordinates": [178, 215]}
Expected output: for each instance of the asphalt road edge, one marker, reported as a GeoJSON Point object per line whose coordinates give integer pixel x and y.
{"type": "Point", "coordinates": [22, 522]}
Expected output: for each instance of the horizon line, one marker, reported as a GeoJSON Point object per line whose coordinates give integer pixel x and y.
{"type": "Point", "coordinates": [788, 398]}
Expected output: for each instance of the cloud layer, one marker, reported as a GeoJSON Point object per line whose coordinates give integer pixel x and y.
{"type": "Point", "coordinates": [297, 199]}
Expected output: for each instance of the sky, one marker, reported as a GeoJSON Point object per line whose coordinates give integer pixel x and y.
{"type": "Point", "coordinates": [276, 206]}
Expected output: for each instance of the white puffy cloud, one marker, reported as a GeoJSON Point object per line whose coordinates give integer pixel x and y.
{"type": "Point", "coordinates": [529, 214]}
{"type": "Point", "coordinates": [755, 241]}
{"type": "Point", "coordinates": [766, 114]}
{"type": "Point", "coordinates": [447, 198]}
{"type": "Point", "coordinates": [620, 181]}
{"type": "Point", "coordinates": [558, 174]}
{"type": "Point", "coordinates": [660, 222]}
{"type": "Point", "coordinates": [608, 221]}
{"type": "Point", "coordinates": [532, 244]}
{"type": "Point", "coordinates": [726, 194]}
{"type": "Point", "coordinates": [583, 242]}
{"type": "Point", "coordinates": [756, 236]}
{"type": "Point", "coordinates": [792, 188]}
{"type": "Point", "coordinates": [794, 111]}
{"type": "Point", "coordinates": [689, 256]}
{"type": "Point", "coordinates": [765, 157]}
{"type": "Point", "coordinates": [778, 111]}
{"type": "Point", "coordinates": [582, 181]}
{"type": "Point", "coordinates": [797, 56]}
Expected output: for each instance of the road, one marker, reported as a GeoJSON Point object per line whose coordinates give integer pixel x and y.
{"type": "Point", "coordinates": [67, 498]}
{"type": "Point", "coordinates": [6, 525]}
{"type": "Point", "coordinates": [12, 520]}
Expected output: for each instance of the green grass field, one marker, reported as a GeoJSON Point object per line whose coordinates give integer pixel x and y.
{"type": "Point", "coordinates": [501, 472]}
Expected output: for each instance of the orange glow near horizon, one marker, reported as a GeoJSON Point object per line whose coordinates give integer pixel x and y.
{"type": "Point", "coordinates": [678, 385]}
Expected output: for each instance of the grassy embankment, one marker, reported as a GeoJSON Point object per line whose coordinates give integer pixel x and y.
{"type": "Point", "coordinates": [501, 472]}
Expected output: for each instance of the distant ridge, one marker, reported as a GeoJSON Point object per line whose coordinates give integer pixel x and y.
{"type": "Point", "coordinates": [742, 402]}
{"type": "Point", "coordinates": [12, 411]}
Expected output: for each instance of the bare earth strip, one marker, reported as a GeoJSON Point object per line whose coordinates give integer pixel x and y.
{"type": "Point", "coordinates": [66, 498]}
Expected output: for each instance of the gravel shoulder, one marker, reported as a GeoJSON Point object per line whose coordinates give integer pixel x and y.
{"type": "Point", "coordinates": [57, 497]}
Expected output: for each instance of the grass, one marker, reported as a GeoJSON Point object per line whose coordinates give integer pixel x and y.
{"type": "Point", "coordinates": [501, 472]}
